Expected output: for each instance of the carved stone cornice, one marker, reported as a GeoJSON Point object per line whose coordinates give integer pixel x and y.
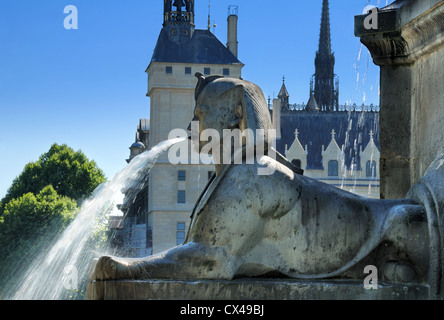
{"type": "Point", "coordinates": [400, 41]}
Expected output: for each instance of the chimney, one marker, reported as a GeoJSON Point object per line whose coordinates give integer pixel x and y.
{"type": "Point", "coordinates": [277, 117]}
{"type": "Point", "coordinates": [232, 30]}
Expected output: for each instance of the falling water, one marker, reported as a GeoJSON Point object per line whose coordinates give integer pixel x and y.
{"type": "Point", "coordinates": [64, 265]}
{"type": "Point", "coordinates": [358, 124]}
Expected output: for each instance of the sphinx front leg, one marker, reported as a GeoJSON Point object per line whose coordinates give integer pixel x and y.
{"type": "Point", "coordinates": [408, 242]}
{"type": "Point", "coordinates": [188, 261]}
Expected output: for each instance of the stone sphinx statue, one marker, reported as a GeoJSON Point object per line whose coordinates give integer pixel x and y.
{"type": "Point", "coordinates": [283, 224]}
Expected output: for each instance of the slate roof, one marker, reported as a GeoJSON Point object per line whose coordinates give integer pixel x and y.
{"type": "Point", "coordinates": [283, 93]}
{"type": "Point", "coordinates": [202, 48]}
{"type": "Point", "coordinates": [352, 130]}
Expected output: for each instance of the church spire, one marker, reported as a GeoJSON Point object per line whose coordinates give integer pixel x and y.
{"type": "Point", "coordinates": [325, 93]}
{"type": "Point", "coordinates": [325, 35]}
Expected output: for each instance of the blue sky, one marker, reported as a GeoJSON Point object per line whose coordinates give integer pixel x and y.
{"type": "Point", "coordinates": [87, 87]}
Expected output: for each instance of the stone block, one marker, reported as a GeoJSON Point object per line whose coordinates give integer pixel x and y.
{"type": "Point", "coordinates": [251, 289]}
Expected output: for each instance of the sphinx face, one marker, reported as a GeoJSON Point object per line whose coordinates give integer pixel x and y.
{"type": "Point", "coordinates": [228, 110]}
{"type": "Point", "coordinates": [212, 115]}
{"type": "Point", "coordinates": [205, 127]}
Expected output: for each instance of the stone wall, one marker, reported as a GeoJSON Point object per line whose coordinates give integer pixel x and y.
{"type": "Point", "coordinates": [408, 45]}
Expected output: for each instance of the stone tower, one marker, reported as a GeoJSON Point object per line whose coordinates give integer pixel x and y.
{"type": "Point", "coordinates": [325, 83]}
{"type": "Point", "coordinates": [180, 52]}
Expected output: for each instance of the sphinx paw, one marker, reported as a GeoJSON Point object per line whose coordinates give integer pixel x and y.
{"type": "Point", "coordinates": [105, 268]}
{"type": "Point", "coordinates": [398, 272]}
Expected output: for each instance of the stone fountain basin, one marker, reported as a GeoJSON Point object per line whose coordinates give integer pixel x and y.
{"type": "Point", "coordinates": [252, 289]}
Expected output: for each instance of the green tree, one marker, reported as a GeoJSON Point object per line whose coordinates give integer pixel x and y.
{"type": "Point", "coordinates": [40, 203]}
{"type": "Point", "coordinates": [31, 216]}
{"type": "Point", "coordinates": [70, 173]}
{"type": "Point", "coordinates": [28, 224]}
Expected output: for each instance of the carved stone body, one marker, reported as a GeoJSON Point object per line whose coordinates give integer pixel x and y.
{"type": "Point", "coordinates": [283, 224]}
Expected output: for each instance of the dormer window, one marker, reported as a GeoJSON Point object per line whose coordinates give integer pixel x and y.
{"type": "Point", "coordinates": [333, 168]}
{"type": "Point", "coordinates": [370, 169]}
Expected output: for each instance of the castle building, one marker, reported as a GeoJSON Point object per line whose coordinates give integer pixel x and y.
{"type": "Point", "coordinates": [336, 144]}
{"type": "Point", "coordinates": [340, 148]}
{"type": "Point", "coordinates": [172, 190]}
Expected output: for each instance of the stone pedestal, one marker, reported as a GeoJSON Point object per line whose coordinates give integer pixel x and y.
{"type": "Point", "coordinates": [251, 289]}
{"type": "Point", "coordinates": [408, 45]}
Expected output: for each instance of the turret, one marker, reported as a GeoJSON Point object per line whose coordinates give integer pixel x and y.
{"type": "Point", "coordinates": [284, 97]}
{"type": "Point", "coordinates": [178, 11]}
{"type": "Point", "coordinates": [178, 19]}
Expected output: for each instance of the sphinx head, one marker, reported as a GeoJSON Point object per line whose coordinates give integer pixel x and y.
{"type": "Point", "coordinates": [224, 105]}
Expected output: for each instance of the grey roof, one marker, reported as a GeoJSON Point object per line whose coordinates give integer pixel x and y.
{"type": "Point", "coordinates": [312, 105]}
{"type": "Point", "coordinates": [203, 48]}
{"type": "Point", "coordinates": [137, 145]}
{"type": "Point", "coordinates": [352, 130]}
{"type": "Point", "coordinates": [283, 93]}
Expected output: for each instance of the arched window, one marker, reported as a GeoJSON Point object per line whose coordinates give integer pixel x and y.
{"type": "Point", "coordinates": [332, 168]}
{"type": "Point", "coordinates": [370, 170]}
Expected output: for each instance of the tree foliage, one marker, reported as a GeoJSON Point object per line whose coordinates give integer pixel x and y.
{"type": "Point", "coordinates": [70, 173]}
{"type": "Point", "coordinates": [31, 216]}
{"type": "Point", "coordinates": [29, 223]}
{"type": "Point", "coordinates": [40, 204]}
